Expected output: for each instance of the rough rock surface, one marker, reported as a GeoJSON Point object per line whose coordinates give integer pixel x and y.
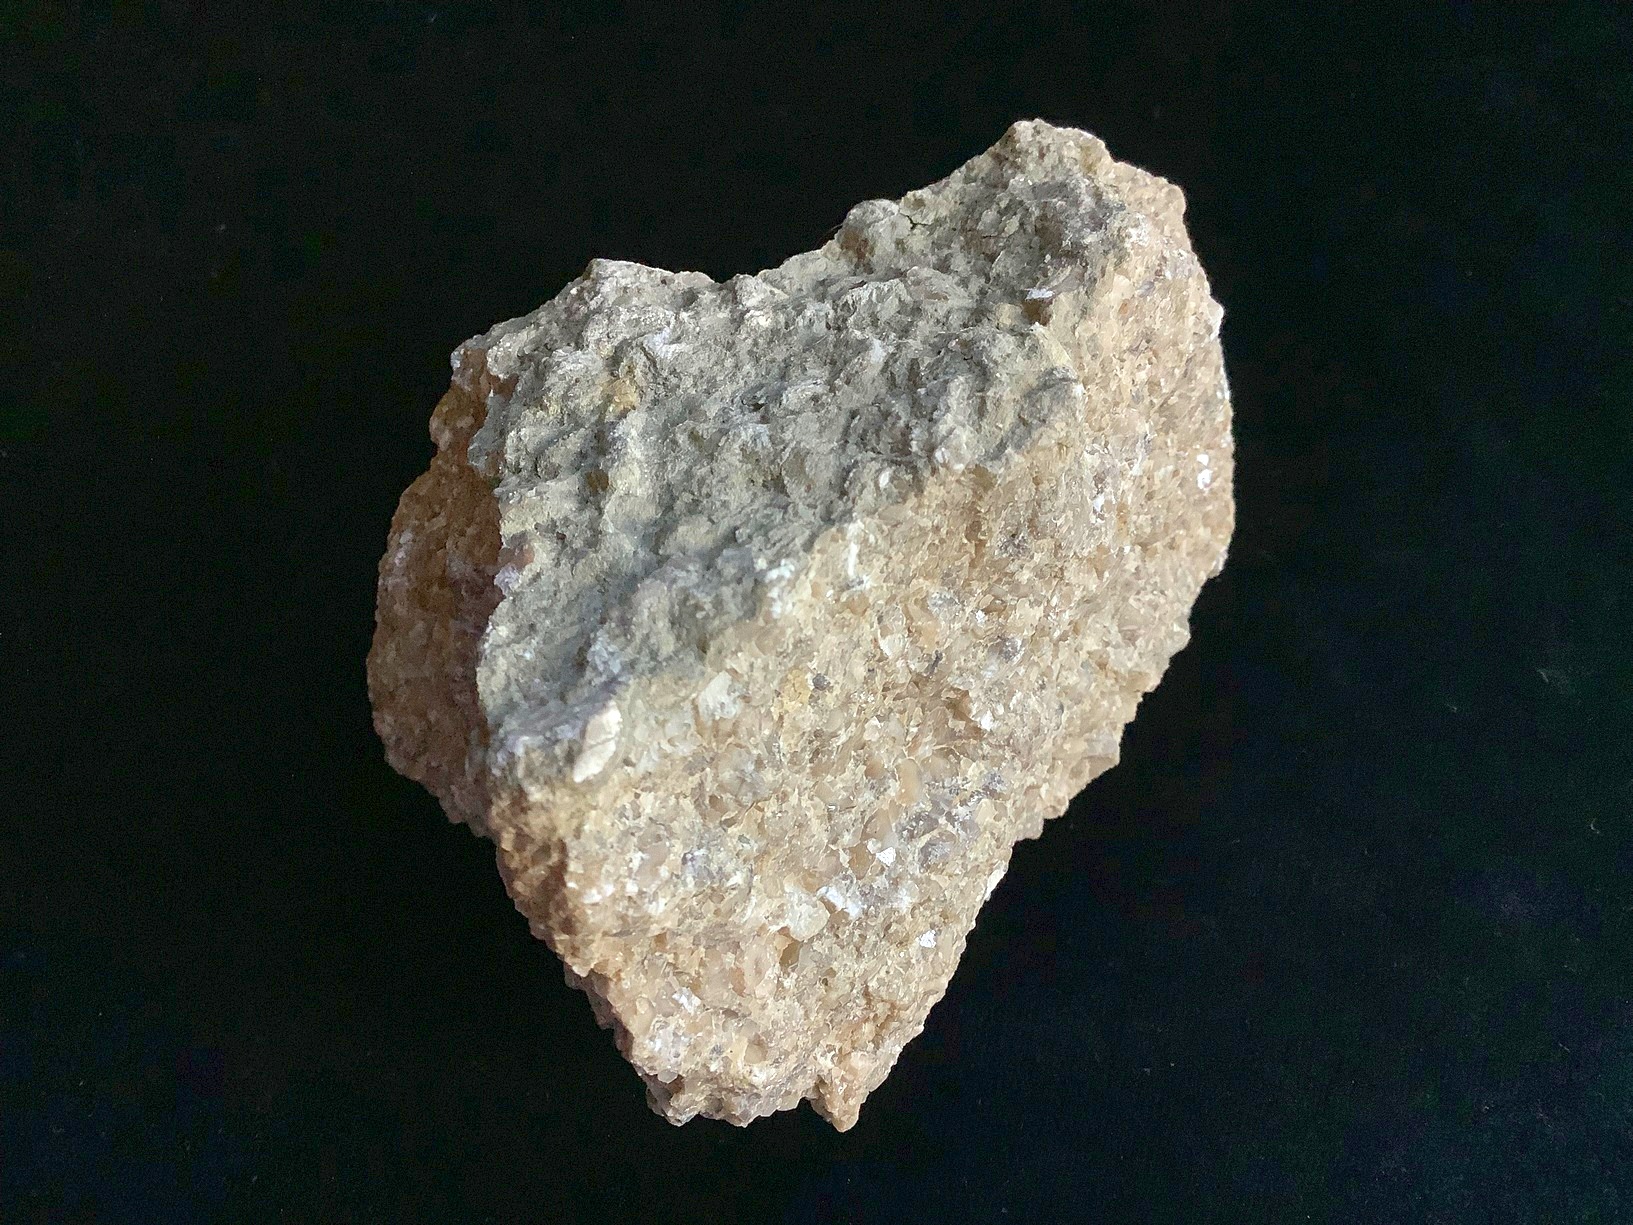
{"type": "Point", "coordinates": [755, 621]}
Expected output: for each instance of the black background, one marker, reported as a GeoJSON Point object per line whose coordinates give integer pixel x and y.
{"type": "Point", "coordinates": [1347, 936]}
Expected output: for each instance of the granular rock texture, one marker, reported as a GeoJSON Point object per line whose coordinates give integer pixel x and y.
{"type": "Point", "coordinates": [755, 621]}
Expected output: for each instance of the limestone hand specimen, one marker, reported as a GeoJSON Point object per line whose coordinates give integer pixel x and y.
{"type": "Point", "coordinates": [755, 621]}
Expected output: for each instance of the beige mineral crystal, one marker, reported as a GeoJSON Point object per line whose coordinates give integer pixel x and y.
{"type": "Point", "coordinates": [755, 621]}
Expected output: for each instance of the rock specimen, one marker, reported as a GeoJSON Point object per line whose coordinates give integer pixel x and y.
{"type": "Point", "coordinates": [755, 621]}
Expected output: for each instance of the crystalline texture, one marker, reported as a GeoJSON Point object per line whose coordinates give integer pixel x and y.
{"type": "Point", "coordinates": [754, 622]}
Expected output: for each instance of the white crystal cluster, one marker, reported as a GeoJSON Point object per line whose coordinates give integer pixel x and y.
{"type": "Point", "coordinates": [755, 621]}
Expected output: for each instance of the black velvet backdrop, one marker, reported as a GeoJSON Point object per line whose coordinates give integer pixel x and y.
{"type": "Point", "coordinates": [1348, 935]}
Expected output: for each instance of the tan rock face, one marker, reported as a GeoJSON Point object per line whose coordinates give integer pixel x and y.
{"type": "Point", "coordinates": [755, 622]}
